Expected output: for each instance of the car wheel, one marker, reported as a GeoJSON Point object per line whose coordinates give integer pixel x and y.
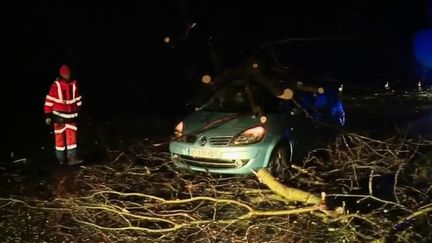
{"type": "Point", "coordinates": [280, 159]}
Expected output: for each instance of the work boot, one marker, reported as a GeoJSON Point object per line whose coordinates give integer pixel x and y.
{"type": "Point", "coordinates": [60, 157]}
{"type": "Point", "coordinates": [74, 161]}
{"type": "Point", "coordinates": [73, 158]}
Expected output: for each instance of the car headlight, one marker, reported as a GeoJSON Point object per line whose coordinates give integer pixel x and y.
{"type": "Point", "coordinates": [178, 131]}
{"type": "Point", "coordinates": [249, 136]}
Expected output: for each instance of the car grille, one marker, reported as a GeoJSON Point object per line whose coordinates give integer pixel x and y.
{"type": "Point", "coordinates": [220, 141]}
{"type": "Point", "coordinates": [209, 163]}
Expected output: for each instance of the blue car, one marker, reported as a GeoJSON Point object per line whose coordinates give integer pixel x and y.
{"type": "Point", "coordinates": [244, 127]}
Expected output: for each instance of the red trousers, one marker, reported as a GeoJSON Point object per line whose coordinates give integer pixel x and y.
{"type": "Point", "coordinates": [65, 136]}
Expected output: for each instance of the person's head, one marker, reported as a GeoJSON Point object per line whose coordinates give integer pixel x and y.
{"type": "Point", "coordinates": [65, 72]}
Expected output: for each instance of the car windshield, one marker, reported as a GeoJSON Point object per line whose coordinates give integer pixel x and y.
{"type": "Point", "coordinates": [234, 99]}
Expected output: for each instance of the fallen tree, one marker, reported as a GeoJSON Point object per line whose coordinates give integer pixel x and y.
{"type": "Point", "coordinates": [369, 189]}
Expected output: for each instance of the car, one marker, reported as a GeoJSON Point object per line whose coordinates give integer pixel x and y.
{"type": "Point", "coordinates": [244, 126]}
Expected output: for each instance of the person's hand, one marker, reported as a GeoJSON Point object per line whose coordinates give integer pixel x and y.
{"type": "Point", "coordinates": [48, 121]}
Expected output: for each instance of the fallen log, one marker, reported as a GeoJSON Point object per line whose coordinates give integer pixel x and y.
{"type": "Point", "coordinates": [290, 194]}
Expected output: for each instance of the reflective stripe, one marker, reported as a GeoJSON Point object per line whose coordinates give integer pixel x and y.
{"type": "Point", "coordinates": [73, 91]}
{"type": "Point", "coordinates": [79, 103]}
{"type": "Point", "coordinates": [60, 148]}
{"type": "Point", "coordinates": [65, 115]}
{"type": "Point", "coordinates": [71, 127]}
{"type": "Point", "coordinates": [49, 103]}
{"type": "Point", "coordinates": [60, 130]}
{"type": "Point", "coordinates": [65, 127]}
{"type": "Point", "coordinates": [48, 97]}
{"type": "Point", "coordinates": [60, 95]}
{"type": "Point", "coordinates": [62, 101]}
{"type": "Point", "coordinates": [78, 98]}
{"type": "Point", "coordinates": [72, 146]}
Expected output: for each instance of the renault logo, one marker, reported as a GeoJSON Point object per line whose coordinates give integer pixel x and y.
{"type": "Point", "coordinates": [203, 140]}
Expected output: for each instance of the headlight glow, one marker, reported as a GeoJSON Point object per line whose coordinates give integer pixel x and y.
{"type": "Point", "coordinates": [179, 130]}
{"type": "Point", "coordinates": [249, 136]}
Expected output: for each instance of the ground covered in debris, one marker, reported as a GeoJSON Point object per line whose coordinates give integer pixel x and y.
{"type": "Point", "coordinates": [370, 189]}
{"type": "Point", "coordinates": [373, 189]}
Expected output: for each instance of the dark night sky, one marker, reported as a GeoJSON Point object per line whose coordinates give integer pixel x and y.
{"type": "Point", "coordinates": [117, 52]}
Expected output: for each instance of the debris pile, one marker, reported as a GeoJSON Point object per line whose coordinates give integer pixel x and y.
{"type": "Point", "coordinates": [357, 189]}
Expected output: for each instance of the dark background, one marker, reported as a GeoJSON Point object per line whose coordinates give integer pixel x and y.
{"type": "Point", "coordinates": [125, 69]}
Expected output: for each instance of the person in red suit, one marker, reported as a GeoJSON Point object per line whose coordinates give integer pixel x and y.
{"type": "Point", "coordinates": [62, 105]}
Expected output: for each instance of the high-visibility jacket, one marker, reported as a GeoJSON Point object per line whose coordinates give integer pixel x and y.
{"type": "Point", "coordinates": [63, 99]}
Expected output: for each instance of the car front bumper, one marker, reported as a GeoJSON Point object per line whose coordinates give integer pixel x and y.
{"type": "Point", "coordinates": [224, 159]}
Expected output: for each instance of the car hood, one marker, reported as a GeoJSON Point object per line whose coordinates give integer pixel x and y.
{"type": "Point", "coordinates": [203, 121]}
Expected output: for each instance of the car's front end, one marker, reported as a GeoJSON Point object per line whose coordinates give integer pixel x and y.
{"type": "Point", "coordinates": [237, 145]}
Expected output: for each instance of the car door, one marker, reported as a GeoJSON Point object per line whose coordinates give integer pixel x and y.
{"type": "Point", "coordinates": [309, 133]}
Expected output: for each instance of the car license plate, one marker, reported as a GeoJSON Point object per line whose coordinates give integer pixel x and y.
{"type": "Point", "coordinates": [204, 153]}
